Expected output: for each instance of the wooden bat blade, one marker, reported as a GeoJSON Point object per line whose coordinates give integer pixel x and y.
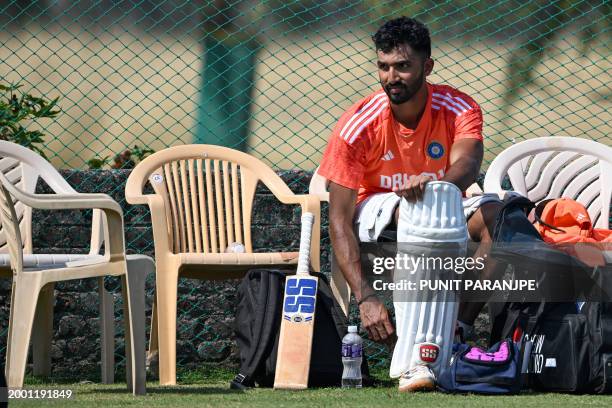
{"type": "Point", "coordinates": [296, 333]}
{"type": "Point", "coordinates": [297, 324]}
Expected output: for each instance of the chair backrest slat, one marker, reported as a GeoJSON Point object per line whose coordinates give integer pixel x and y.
{"type": "Point", "coordinates": [549, 171]}
{"type": "Point", "coordinates": [194, 206]}
{"type": "Point", "coordinates": [202, 206]}
{"type": "Point", "coordinates": [577, 183]}
{"type": "Point", "coordinates": [247, 192]}
{"type": "Point", "coordinates": [534, 165]}
{"type": "Point", "coordinates": [187, 225]}
{"type": "Point", "coordinates": [563, 174]}
{"type": "Point", "coordinates": [179, 205]}
{"type": "Point", "coordinates": [210, 199]}
{"type": "Point", "coordinates": [236, 204]}
{"type": "Point", "coordinates": [11, 229]}
{"type": "Point", "coordinates": [168, 177]}
{"type": "Point", "coordinates": [17, 172]}
{"type": "Point", "coordinates": [558, 188]}
{"type": "Point", "coordinates": [219, 206]}
{"type": "Point", "coordinates": [8, 163]}
{"type": "Point", "coordinates": [228, 204]}
{"type": "Point", "coordinates": [14, 175]}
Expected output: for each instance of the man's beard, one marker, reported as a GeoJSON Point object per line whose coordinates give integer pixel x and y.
{"type": "Point", "coordinates": [407, 90]}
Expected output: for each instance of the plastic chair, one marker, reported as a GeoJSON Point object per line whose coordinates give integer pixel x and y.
{"type": "Point", "coordinates": [202, 202]}
{"type": "Point", "coordinates": [34, 275]}
{"type": "Point", "coordinates": [554, 167]}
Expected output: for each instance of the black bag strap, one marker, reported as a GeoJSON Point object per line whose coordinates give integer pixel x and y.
{"type": "Point", "coordinates": [266, 320]}
{"type": "Point", "coordinates": [513, 203]}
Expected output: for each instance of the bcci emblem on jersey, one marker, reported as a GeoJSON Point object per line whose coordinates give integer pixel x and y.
{"type": "Point", "coordinates": [435, 150]}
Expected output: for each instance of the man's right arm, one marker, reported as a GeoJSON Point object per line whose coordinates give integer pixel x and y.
{"type": "Point", "coordinates": [374, 316]}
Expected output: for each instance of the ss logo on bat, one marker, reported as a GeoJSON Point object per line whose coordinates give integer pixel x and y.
{"type": "Point", "coordinates": [300, 298]}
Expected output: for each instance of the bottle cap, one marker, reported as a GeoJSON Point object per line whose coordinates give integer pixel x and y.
{"type": "Point", "coordinates": [352, 329]}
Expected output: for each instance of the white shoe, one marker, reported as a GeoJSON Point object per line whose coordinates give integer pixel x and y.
{"type": "Point", "coordinates": [418, 378]}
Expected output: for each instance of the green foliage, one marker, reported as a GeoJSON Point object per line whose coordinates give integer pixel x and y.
{"type": "Point", "coordinates": [124, 160]}
{"type": "Point", "coordinates": [141, 153]}
{"type": "Point", "coordinates": [18, 110]}
{"type": "Point", "coordinates": [97, 163]}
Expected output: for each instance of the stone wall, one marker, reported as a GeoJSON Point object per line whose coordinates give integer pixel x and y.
{"type": "Point", "coordinates": [206, 309]}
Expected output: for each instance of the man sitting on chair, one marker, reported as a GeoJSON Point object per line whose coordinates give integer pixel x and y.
{"type": "Point", "coordinates": [396, 140]}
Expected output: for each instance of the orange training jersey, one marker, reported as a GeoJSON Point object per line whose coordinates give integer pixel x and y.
{"type": "Point", "coordinates": [372, 152]}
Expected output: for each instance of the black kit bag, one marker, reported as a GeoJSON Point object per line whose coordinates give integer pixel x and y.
{"type": "Point", "coordinates": [571, 346]}
{"type": "Point", "coordinates": [598, 316]}
{"type": "Point", "coordinates": [515, 237]}
{"type": "Point", "coordinates": [559, 357]}
{"type": "Point", "coordinates": [571, 349]}
{"type": "Point", "coordinates": [258, 319]}
{"type": "Point", "coordinates": [571, 343]}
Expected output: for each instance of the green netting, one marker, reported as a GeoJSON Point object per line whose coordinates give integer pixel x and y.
{"type": "Point", "coordinates": [272, 77]}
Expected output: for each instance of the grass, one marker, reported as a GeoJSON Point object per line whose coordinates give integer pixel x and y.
{"type": "Point", "coordinates": [209, 388]}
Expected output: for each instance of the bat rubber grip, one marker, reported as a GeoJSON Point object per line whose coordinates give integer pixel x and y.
{"type": "Point", "coordinates": [306, 235]}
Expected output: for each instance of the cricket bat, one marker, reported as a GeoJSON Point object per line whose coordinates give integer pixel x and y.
{"type": "Point", "coordinates": [297, 324]}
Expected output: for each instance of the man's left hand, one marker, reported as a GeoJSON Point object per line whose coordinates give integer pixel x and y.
{"type": "Point", "coordinates": [415, 188]}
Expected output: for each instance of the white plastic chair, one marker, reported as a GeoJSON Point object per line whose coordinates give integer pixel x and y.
{"type": "Point", "coordinates": [202, 201]}
{"type": "Point", "coordinates": [554, 167]}
{"type": "Point", "coordinates": [34, 274]}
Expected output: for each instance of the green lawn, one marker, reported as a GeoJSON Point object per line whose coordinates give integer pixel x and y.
{"type": "Point", "coordinates": [211, 390]}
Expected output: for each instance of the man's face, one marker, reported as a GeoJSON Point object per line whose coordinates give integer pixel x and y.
{"type": "Point", "coordinates": [402, 72]}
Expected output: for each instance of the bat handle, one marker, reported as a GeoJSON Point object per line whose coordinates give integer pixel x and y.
{"type": "Point", "coordinates": [303, 266]}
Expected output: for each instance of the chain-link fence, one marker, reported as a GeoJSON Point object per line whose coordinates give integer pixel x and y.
{"type": "Point", "coordinates": [272, 77]}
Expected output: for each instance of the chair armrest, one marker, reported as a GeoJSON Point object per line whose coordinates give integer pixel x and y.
{"type": "Point", "coordinates": [308, 202]}
{"type": "Point", "coordinates": [134, 195]}
{"type": "Point", "coordinates": [157, 209]}
{"type": "Point", "coordinates": [136, 181]}
{"type": "Point", "coordinates": [133, 190]}
{"type": "Point", "coordinates": [161, 238]}
{"type": "Point", "coordinates": [114, 215]}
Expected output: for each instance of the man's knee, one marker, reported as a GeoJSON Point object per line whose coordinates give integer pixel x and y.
{"type": "Point", "coordinates": [482, 223]}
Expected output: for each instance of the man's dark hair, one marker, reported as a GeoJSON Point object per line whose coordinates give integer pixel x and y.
{"type": "Point", "coordinates": [403, 30]}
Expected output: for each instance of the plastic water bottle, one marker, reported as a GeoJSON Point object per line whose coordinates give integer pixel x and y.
{"type": "Point", "coordinates": [351, 359]}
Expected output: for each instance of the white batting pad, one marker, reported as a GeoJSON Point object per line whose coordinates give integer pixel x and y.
{"type": "Point", "coordinates": [425, 323]}
{"type": "Point", "coordinates": [425, 331]}
{"type": "Point", "coordinates": [438, 217]}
